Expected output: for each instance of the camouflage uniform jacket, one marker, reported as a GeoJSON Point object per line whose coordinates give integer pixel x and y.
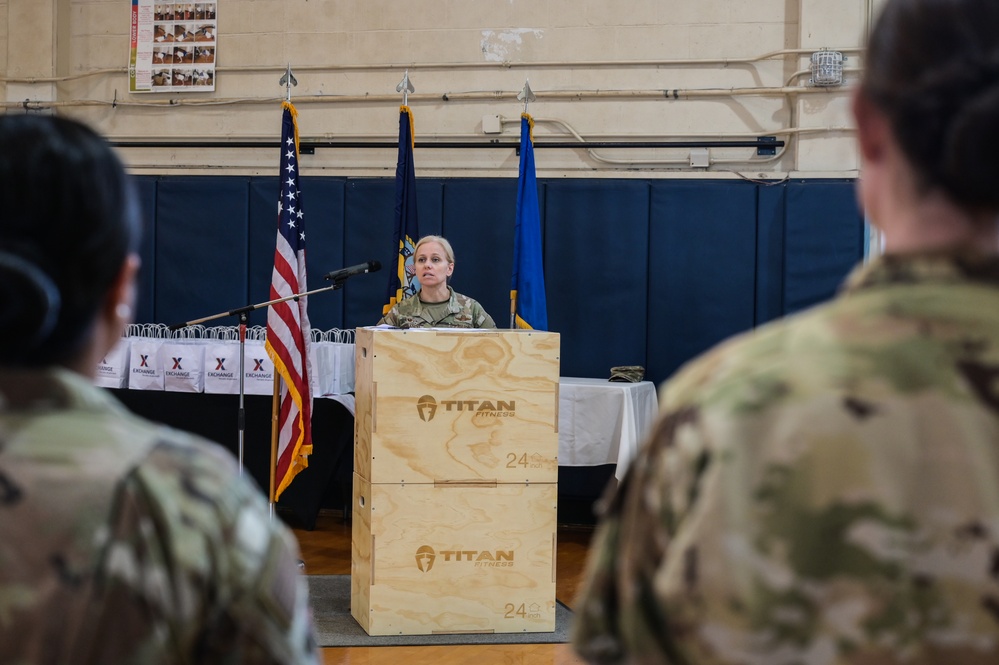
{"type": "Point", "coordinates": [822, 491]}
{"type": "Point", "coordinates": [122, 541]}
{"type": "Point", "coordinates": [462, 312]}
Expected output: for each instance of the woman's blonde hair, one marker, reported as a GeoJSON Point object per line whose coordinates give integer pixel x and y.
{"type": "Point", "coordinates": [448, 252]}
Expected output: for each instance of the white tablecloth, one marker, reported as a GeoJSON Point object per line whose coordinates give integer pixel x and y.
{"type": "Point", "coordinates": [603, 422]}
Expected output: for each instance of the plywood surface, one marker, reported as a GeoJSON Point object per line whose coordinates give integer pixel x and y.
{"type": "Point", "coordinates": [437, 405]}
{"type": "Point", "coordinates": [451, 558]}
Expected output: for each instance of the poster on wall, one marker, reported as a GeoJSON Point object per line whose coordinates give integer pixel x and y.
{"type": "Point", "coordinates": [173, 46]}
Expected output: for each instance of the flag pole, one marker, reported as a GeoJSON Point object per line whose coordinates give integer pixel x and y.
{"type": "Point", "coordinates": [527, 290]}
{"type": "Point", "coordinates": [527, 95]}
{"type": "Point", "coordinates": [292, 333]}
{"type": "Point", "coordinates": [287, 81]}
{"type": "Point", "coordinates": [274, 440]}
{"type": "Point", "coordinates": [241, 417]}
{"type": "Point", "coordinates": [405, 87]}
{"type": "Point", "coordinates": [403, 282]}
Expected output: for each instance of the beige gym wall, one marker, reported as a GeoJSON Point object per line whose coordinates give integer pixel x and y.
{"type": "Point", "coordinates": [625, 70]}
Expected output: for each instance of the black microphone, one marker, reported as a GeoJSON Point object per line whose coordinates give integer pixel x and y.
{"type": "Point", "coordinates": [360, 269]}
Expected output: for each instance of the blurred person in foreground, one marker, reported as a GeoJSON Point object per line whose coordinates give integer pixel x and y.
{"type": "Point", "coordinates": [825, 490]}
{"type": "Point", "coordinates": [121, 541]}
{"type": "Point", "coordinates": [436, 304]}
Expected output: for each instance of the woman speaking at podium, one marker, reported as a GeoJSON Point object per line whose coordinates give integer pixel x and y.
{"type": "Point", "coordinates": [436, 305]}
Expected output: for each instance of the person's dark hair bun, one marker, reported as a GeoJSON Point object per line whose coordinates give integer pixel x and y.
{"type": "Point", "coordinates": [29, 306]}
{"type": "Point", "coordinates": [933, 67]}
{"type": "Point", "coordinates": [970, 148]}
{"type": "Point", "coordinates": [946, 123]}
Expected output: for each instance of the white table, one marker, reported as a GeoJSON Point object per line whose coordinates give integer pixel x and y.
{"type": "Point", "coordinates": [603, 422]}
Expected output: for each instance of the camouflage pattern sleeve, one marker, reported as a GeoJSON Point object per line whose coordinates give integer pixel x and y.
{"type": "Point", "coordinates": [823, 491]}
{"type": "Point", "coordinates": [391, 318]}
{"type": "Point", "coordinates": [125, 542]}
{"type": "Point", "coordinates": [466, 312]}
{"type": "Point", "coordinates": [192, 545]}
{"type": "Point", "coordinates": [618, 617]}
{"type": "Point", "coordinates": [481, 318]}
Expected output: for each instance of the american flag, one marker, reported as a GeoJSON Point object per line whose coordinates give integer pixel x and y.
{"type": "Point", "coordinates": [288, 332]}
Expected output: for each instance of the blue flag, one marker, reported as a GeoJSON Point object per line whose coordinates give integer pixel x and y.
{"type": "Point", "coordinates": [403, 282]}
{"type": "Point", "coordinates": [528, 305]}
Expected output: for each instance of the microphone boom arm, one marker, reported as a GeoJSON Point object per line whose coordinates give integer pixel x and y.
{"type": "Point", "coordinates": [249, 308]}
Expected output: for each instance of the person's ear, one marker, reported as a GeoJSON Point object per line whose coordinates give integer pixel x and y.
{"type": "Point", "coordinates": [120, 302]}
{"type": "Point", "coordinates": [873, 129]}
{"type": "Point", "coordinates": [450, 269]}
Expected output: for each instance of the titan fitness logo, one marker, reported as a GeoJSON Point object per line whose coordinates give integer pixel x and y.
{"type": "Point", "coordinates": [427, 407]}
{"type": "Point", "coordinates": [426, 556]}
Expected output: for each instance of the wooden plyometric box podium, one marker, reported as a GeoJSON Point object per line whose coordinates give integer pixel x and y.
{"type": "Point", "coordinates": [441, 559]}
{"type": "Point", "coordinates": [456, 405]}
{"type": "Point", "coordinates": [455, 484]}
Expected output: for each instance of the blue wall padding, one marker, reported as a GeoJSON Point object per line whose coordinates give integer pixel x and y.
{"type": "Point", "coordinates": [368, 228]}
{"type": "Point", "coordinates": [645, 272]}
{"type": "Point", "coordinates": [824, 237]}
{"type": "Point", "coordinates": [145, 296]}
{"type": "Point", "coordinates": [596, 272]}
{"type": "Point", "coordinates": [478, 215]}
{"type": "Point", "coordinates": [702, 279]}
{"type": "Point", "coordinates": [770, 253]}
{"type": "Point", "coordinates": [201, 253]}
{"type": "Point", "coordinates": [263, 232]}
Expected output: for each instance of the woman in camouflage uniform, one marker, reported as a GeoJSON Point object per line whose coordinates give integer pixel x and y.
{"type": "Point", "coordinates": [121, 541]}
{"type": "Point", "coordinates": [436, 305]}
{"type": "Point", "coordinates": [825, 490]}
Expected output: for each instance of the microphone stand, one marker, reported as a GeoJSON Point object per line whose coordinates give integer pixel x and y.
{"type": "Point", "coordinates": [243, 314]}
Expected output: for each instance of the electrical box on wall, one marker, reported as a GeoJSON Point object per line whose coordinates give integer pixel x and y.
{"type": "Point", "coordinates": [699, 158]}
{"type": "Point", "coordinates": [491, 124]}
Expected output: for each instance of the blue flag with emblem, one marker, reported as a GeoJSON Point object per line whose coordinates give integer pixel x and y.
{"type": "Point", "coordinates": [403, 282]}
{"type": "Point", "coordinates": [528, 304]}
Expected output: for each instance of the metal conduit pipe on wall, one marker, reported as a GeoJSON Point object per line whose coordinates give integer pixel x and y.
{"type": "Point", "coordinates": [391, 67]}
{"type": "Point", "coordinates": [494, 96]}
